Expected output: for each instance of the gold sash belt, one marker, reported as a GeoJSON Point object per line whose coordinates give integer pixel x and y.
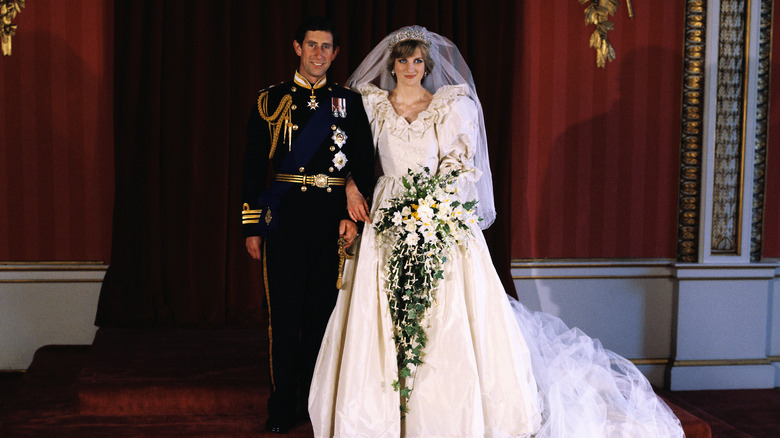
{"type": "Point", "coordinates": [320, 181]}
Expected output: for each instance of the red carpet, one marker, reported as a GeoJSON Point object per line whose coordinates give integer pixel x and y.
{"type": "Point", "coordinates": [146, 372]}
{"type": "Point", "coordinates": [756, 412]}
{"type": "Point", "coordinates": [162, 383]}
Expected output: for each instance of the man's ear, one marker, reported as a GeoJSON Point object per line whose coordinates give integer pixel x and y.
{"type": "Point", "coordinates": [335, 52]}
{"type": "Point", "coordinates": [297, 47]}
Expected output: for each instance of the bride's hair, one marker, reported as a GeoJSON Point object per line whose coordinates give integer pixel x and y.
{"type": "Point", "coordinates": [405, 49]}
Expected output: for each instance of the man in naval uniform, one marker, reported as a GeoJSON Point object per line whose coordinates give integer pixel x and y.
{"type": "Point", "coordinates": [316, 135]}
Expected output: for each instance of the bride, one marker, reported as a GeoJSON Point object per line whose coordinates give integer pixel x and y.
{"type": "Point", "coordinates": [490, 367]}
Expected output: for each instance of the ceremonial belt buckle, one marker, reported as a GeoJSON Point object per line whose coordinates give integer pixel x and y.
{"type": "Point", "coordinates": [320, 181]}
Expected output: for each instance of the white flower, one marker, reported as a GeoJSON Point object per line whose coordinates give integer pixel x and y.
{"type": "Point", "coordinates": [397, 218]}
{"type": "Point", "coordinates": [425, 213]}
{"type": "Point", "coordinates": [429, 234]}
{"type": "Point", "coordinates": [406, 211]}
{"type": "Point", "coordinates": [459, 213]}
{"type": "Point", "coordinates": [412, 239]}
{"type": "Point", "coordinates": [411, 225]}
{"type": "Point", "coordinates": [445, 211]}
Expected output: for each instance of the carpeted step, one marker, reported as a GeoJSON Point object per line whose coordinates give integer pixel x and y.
{"type": "Point", "coordinates": [717, 427]}
{"type": "Point", "coordinates": [45, 404]}
{"type": "Point", "coordinates": [188, 383]}
{"type": "Point", "coordinates": [693, 426]}
{"type": "Point", "coordinates": [134, 372]}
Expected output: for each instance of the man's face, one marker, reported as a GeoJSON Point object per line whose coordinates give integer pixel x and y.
{"type": "Point", "coordinates": [316, 52]}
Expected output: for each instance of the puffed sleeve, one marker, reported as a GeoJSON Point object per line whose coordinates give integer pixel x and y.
{"type": "Point", "coordinates": [457, 131]}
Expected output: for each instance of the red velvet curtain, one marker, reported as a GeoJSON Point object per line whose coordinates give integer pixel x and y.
{"type": "Point", "coordinates": [186, 74]}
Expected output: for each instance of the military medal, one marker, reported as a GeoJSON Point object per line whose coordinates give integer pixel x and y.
{"type": "Point", "coordinates": [340, 160]}
{"type": "Point", "coordinates": [339, 137]}
{"type": "Point", "coordinates": [313, 104]}
{"type": "Point", "coordinates": [339, 107]}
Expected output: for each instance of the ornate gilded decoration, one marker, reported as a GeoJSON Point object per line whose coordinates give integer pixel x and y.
{"type": "Point", "coordinates": [249, 216]}
{"type": "Point", "coordinates": [343, 256]}
{"type": "Point", "coordinates": [762, 123]}
{"type": "Point", "coordinates": [692, 131]}
{"type": "Point", "coordinates": [729, 128]}
{"type": "Point", "coordinates": [597, 12]}
{"type": "Point", "coordinates": [282, 117]}
{"type": "Point", "coordinates": [320, 181]}
{"type": "Point", "coordinates": [8, 11]}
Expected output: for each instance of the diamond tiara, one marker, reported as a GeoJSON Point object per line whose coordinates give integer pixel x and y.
{"type": "Point", "coordinates": [410, 33]}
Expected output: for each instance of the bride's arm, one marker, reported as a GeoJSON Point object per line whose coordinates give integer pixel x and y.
{"type": "Point", "coordinates": [457, 135]}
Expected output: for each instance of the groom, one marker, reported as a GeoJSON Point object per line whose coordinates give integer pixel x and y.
{"type": "Point", "coordinates": [315, 135]}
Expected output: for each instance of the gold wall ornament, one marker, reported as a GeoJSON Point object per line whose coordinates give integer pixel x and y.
{"type": "Point", "coordinates": [597, 12]}
{"type": "Point", "coordinates": [689, 217]}
{"type": "Point", "coordinates": [8, 11]}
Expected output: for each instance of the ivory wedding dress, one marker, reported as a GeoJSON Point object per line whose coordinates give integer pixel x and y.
{"type": "Point", "coordinates": [491, 368]}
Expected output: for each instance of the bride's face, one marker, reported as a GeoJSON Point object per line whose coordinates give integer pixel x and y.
{"type": "Point", "coordinates": [410, 70]}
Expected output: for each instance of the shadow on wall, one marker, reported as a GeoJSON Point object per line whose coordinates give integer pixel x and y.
{"type": "Point", "coordinates": [58, 153]}
{"type": "Point", "coordinates": [608, 186]}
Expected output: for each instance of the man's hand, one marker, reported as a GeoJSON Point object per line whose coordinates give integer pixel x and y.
{"type": "Point", "coordinates": [356, 203]}
{"type": "Point", "coordinates": [348, 230]}
{"type": "Point", "coordinates": [253, 246]}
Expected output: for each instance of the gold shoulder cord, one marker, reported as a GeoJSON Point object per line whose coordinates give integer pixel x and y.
{"type": "Point", "coordinates": [281, 116]}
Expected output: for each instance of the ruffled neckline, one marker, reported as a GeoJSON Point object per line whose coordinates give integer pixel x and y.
{"type": "Point", "coordinates": [379, 102]}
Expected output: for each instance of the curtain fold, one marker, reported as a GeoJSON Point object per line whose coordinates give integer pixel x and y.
{"type": "Point", "coordinates": [186, 76]}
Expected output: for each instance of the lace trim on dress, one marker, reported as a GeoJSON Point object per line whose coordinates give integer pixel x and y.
{"type": "Point", "coordinates": [377, 102]}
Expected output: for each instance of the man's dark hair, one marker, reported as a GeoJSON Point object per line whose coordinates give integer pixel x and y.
{"type": "Point", "coordinates": [316, 23]}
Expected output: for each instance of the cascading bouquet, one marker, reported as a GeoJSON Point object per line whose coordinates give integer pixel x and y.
{"type": "Point", "coordinates": [423, 224]}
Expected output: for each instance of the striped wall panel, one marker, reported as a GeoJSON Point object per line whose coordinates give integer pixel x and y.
{"type": "Point", "coordinates": [595, 158]}
{"type": "Point", "coordinates": [771, 243]}
{"type": "Point", "coordinates": [56, 141]}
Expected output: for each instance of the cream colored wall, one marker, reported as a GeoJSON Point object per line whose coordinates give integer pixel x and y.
{"type": "Point", "coordinates": [714, 327]}
{"type": "Point", "coordinates": [631, 306]}
{"type": "Point", "coordinates": [42, 304]}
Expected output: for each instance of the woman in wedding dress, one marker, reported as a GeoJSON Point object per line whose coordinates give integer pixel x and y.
{"type": "Point", "coordinates": [490, 367]}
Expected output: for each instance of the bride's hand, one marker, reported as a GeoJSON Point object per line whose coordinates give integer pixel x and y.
{"type": "Point", "coordinates": [356, 203]}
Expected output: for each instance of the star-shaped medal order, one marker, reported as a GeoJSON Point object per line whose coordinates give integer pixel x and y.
{"type": "Point", "coordinates": [313, 104]}
{"type": "Point", "coordinates": [339, 137]}
{"type": "Point", "coordinates": [340, 160]}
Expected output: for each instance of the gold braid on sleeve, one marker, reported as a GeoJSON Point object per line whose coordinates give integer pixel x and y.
{"type": "Point", "coordinates": [282, 116]}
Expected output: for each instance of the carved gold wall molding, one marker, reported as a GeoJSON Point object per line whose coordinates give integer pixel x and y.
{"type": "Point", "coordinates": [726, 176]}
{"type": "Point", "coordinates": [8, 11]}
{"type": "Point", "coordinates": [597, 12]}
{"type": "Point", "coordinates": [762, 124]}
{"type": "Point", "coordinates": [692, 131]}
